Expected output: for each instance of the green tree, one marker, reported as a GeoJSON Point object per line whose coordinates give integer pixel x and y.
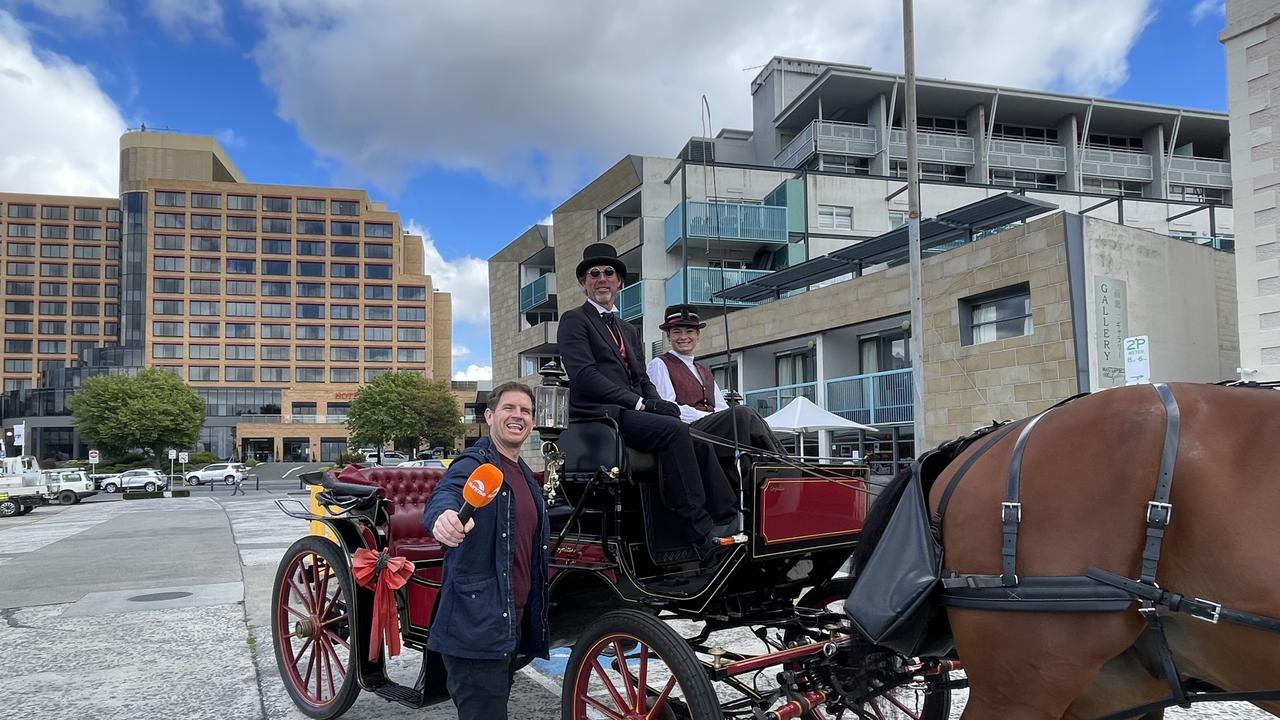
{"type": "Point", "coordinates": [405, 408]}
{"type": "Point", "coordinates": [154, 411]}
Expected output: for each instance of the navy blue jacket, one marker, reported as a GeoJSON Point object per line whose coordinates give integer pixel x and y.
{"type": "Point", "coordinates": [475, 617]}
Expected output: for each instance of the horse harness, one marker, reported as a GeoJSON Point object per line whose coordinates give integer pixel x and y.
{"type": "Point", "coordinates": [1097, 590]}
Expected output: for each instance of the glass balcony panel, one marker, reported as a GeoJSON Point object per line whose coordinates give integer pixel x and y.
{"type": "Point", "coordinates": [704, 283]}
{"type": "Point", "coordinates": [732, 222]}
{"type": "Point", "coordinates": [767, 401]}
{"type": "Point", "coordinates": [882, 398]}
{"type": "Point", "coordinates": [631, 302]}
{"type": "Point", "coordinates": [537, 292]}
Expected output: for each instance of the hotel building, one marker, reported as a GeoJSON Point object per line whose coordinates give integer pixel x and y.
{"type": "Point", "coordinates": [274, 302]}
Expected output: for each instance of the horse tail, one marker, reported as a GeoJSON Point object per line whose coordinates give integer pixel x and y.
{"type": "Point", "coordinates": [878, 517]}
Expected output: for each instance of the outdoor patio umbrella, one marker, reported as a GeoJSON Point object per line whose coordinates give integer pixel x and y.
{"type": "Point", "coordinates": [801, 415]}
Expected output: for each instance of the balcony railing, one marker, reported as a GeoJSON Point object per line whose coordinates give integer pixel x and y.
{"type": "Point", "coordinates": [1121, 164]}
{"type": "Point", "coordinates": [734, 222]}
{"type": "Point", "coordinates": [768, 401]}
{"type": "Point", "coordinates": [936, 147]}
{"type": "Point", "coordinates": [537, 292]}
{"type": "Point", "coordinates": [1032, 156]}
{"type": "Point", "coordinates": [299, 419]}
{"type": "Point", "coordinates": [882, 398]}
{"type": "Point", "coordinates": [631, 302]}
{"type": "Point", "coordinates": [826, 136]}
{"type": "Point", "coordinates": [1208, 172]}
{"type": "Point", "coordinates": [706, 282]}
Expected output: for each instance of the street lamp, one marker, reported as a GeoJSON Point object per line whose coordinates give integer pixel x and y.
{"type": "Point", "coordinates": [550, 420]}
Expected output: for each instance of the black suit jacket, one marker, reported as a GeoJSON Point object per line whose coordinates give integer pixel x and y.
{"type": "Point", "coordinates": [598, 381]}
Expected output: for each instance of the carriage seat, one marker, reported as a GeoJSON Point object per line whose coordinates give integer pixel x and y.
{"type": "Point", "coordinates": [588, 444]}
{"type": "Point", "coordinates": [407, 491]}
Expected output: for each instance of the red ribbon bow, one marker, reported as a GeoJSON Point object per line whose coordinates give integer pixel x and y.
{"type": "Point", "coordinates": [384, 574]}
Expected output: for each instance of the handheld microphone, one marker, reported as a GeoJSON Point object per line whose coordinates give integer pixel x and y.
{"type": "Point", "coordinates": [481, 487]}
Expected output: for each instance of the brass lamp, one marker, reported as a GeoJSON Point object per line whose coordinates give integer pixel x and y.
{"type": "Point", "coordinates": [552, 395]}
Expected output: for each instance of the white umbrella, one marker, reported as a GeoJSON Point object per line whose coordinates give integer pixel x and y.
{"type": "Point", "coordinates": [801, 415]}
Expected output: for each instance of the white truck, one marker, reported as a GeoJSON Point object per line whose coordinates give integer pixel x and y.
{"type": "Point", "coordinates": [23, 485]}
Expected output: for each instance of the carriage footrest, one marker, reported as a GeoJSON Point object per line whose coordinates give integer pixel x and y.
{"type": "Point", "coordinates": [394, 692]}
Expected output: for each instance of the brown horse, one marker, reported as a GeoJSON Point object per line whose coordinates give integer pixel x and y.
{"type": "Point", "coordinates": [1089, 469]}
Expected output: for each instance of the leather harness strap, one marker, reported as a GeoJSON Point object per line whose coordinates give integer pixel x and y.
{"type": "Point", "coordinates": [945, 500]}
{"type": "Point", "coordinates": [1011, 508]}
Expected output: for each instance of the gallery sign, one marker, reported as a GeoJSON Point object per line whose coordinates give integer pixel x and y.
{"type": "Point", "coordinates": [1111, 312]}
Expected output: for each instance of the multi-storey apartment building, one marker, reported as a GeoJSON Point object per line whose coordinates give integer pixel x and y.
{"type": "Point", "coordinates": [821, 170]}
{"type": "Point", "coordinates": [274, 302]}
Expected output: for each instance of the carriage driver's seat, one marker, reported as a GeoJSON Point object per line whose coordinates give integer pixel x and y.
{"type": "Point", "coordinates": [591, 443]}
{"type": "Point", "coordinates": [407, 491]}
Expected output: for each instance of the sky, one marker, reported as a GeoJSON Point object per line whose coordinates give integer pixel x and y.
{"type": "Point", "coordinates": [475, 120]}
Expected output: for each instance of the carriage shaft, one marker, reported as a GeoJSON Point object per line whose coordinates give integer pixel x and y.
{"type": "Point", "coordinates": [757, 662]}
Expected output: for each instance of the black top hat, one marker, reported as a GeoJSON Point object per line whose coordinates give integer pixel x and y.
{"type": "Point", "coordinates": [600, 254]}
{"type": "Point", "coordinates": [681, 316]}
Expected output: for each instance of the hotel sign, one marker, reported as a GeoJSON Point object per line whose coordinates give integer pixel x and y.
{"type": "Point", "coordinates": [1111, 311]}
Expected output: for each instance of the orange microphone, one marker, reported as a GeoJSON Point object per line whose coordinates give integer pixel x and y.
{"type": "Point", "coordinates": [480, 489]}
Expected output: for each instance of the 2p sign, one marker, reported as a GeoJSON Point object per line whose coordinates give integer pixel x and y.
{"type": "Point", "coordinates": [1137, 360]}
{"type": "Point", "coordinates": [173, 454]}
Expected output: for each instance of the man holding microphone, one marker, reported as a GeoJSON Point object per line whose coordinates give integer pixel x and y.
{"type": "Point", "coordinates": [493, 600]}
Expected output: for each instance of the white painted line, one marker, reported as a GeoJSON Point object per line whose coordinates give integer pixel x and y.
{"type": "Point", "coordinates": [291, 470]}
{"type": "Point", "coordinates": [547, 683]}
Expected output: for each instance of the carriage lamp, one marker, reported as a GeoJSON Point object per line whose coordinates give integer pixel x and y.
{"type": "Point", "coordinates": [552, 399]}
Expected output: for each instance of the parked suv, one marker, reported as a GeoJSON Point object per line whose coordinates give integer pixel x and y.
{"type": "Point", "coordinates": [225, 472]}
{"type": "Point", "coordinates": [390, 458]}
{"type": "Point", "coordinates": [148, 479]}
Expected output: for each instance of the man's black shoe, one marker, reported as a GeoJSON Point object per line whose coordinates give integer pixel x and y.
{"type": "Point", "coordinates": [711, 552]}
{"type": "Point", "coordinates": [729, 527]}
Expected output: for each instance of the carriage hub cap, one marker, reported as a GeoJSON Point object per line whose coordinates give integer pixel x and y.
{"type": "Point", "coordinates": [304, 628]}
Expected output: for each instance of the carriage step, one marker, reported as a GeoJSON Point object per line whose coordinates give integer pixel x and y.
{"type": "Point", "coordinates": [394, 692]}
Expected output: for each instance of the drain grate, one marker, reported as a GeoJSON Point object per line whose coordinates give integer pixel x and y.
{"type": "Point", "coordinates": [156, 597]}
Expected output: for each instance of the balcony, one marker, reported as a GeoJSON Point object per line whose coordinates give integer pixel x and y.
{"type": "Point", "coordinates": [882, 398]}
{"type": "Point", "coordinates": [1032, 156]}
{"type": "Point", "coordinates": [538, 293]}
{"type": "Point", "coordinates": [825, 136]}
{"type": "Point", "coordinates": [1206, 172]}
{"type": "Point", "coordinates": [768, 401]}
{"type": "Point", "coordinates": [297, 419]}
{"type": "Point", "coordinates": [705, 282]}
{"type": "Point", "coordinates": [1121, 164]}
{"type": "Point", "coordinates": [631, 302]}
{"type": "Point", "coordinates": [934, 147]}
{"type": "Point", "coordinates": [733, 223]}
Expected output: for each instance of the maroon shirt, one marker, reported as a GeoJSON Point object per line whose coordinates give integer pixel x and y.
{"type": "Point", "coordinates": [524, 533]}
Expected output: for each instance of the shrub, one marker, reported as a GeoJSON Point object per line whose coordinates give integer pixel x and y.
{"type": "Point", "coordinates": [251, 462]}
{"type": "Point", "coordinates": [201, 458]}
{"type": "Point", "coordinates": [349, 458]}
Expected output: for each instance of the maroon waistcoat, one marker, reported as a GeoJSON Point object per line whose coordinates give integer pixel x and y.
{"type": "Point", "coordinates": [697, 395]}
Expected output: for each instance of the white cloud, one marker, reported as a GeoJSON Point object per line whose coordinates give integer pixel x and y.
{"type": "Point", "coordinates": [84, 15]}
{"type": "Point", "coordinates": [1205, 8]}
{"type": "Point", "coordinates": [61, 132]}
{"type": "Point", "coordinates": [461, 351]}
{"type": "Point", "coordinates": [229, 138]}
{"type": "Point", "coordinates": [558, 90]}
{"type": "Point", "coordinates": [466, 278]}
{"type": "Point", "coordinates": [186, 19]}
{"type": "Point", "coordinates": [548, 220]}
{"type": "Point", "coordinates": [474, 372]}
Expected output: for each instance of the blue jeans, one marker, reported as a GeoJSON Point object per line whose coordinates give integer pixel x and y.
{"type": "Point", "coordinates": [479, 688]}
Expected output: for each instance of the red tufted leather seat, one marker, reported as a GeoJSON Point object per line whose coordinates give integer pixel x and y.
{"type": "Point", "coordinates": [407, 491]}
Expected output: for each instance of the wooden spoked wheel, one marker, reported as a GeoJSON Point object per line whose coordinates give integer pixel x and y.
{"type": "Point", "coordinates": [629, 665]}
{"type": "Point", "coordinates": [311, 627]}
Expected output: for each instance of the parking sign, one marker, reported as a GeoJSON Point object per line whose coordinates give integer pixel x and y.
{"type": "Point", "coordinates": [182, 458]}
{"type": "Point", "coordinates": [94, 457]}
{"type": "Point", "coordinates": [173, 454]}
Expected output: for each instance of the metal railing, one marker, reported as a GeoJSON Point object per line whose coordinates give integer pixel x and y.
{"type": "Point", "coordinates": [935, 147]}
{"type": "Point", "coordinates": [705, 282]}
{"type": "Point", "coordinates": [881, 398]}
{"type": "Point", "coordinates": [1209, 172]}
{"type": "Point", "coordinates": [631, 301]}
{"type": "Point", "coordinates": [537, 292]}
{"type": "Point", "coordinates": [1032, 156]}
{"type": "Point", "coordinates": [767, 401]}
{"type": "Point", "coordinates": [295, 419]}
{"type": "Point", "coordinates": [743, 222]}
{"type": "Point", "coordinates": [1122, 164]}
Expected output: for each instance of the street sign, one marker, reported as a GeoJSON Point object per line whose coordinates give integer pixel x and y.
{"type": "Point", "coordinates": [173, 454]}
{"type": "Point", "coordinates": [94, 457]}
{"type": "Point", "coordinates": [1137, 360]}
{"type": "Point", "coordinates": [20, 435]}
{"type": "Point", "coordinates": [182, 458]}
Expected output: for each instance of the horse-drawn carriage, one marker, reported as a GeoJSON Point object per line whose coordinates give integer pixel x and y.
{"type": "Point", "coordinates": [616, 578]}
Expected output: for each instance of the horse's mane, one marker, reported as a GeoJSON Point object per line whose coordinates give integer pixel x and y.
{"type": "Point", "coordinates": [931, 465]}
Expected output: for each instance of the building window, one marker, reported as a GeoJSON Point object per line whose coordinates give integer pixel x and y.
{"type": "Point", "coordinates": [413, 293]}
{"type": "Point", "coordinates": [47, 270]}
{"type": "Point", "coordinates": [18, 307]}
{"type": "Point", "coordinates": [28, 231]}
{"type": "Point", "coordinates": [310, 290]}
{"type": "Point", "coordinates": [53, 289]}
{"type": "Point", "coordinates": [240, 267]}
{"type": "Point", "coordinates": [275, 267]}
{"type": "Point", "coordinates": [85, 309]}
{"type": "Point", "coordinates": [310, 311]}
{"type": "Point", "coordinates": [796, 367]}
{"type": "Point", "coordinates": [377, 313]}
{"type": "Point", "coordinates": [84, 328]}
{"type": "Point", "coordinates": [202, 373]}
{"type": "Point", "coordinates": [212, 265]}
{"type": "Point", "coordinates": [382, 230]}
{"type": "Point", "coordinates": [275, 310]}
{"type": "Point", "coordinates": [86, 271]}
{"type": "Point", "coordinates": [166, 351]}
{"type": "Point", "coordinates": [276, 205]}
{"type": "Point", "coordinates": [310, 332]}
{"type": "Point", "coordinates": [382, 252]}
{"type": "Point", "coordinates": [1114, 142]}
{"type": "Point", "coordinates": [310, 354]}
{"type": "Point", "coordinates": [166, 307]}
{"type": "Point", "coordinates": [272, 374]}
{"type": "Point", "coordinates": [1107, 186]}
{"type": "Point", "coordinates": [15, 268]}
{"type": "Point", "coordinates": [343, 249]}
{"type": "Point", "coordinates": [205, 307]}
{"type": "Point", "coordinates": [87, 233]}
{"type": "Point", "coordinates": [20, 288]}
{"type": "Point", "coordinates": [310, 269]}
{"type": "Point", "coordinates": [171, 199]}
{"type": "Point", "coordinates": [378, 334]}
{"type": "Point", "coordinates": [206, 330]}
{"type": "Point", "coordinates": [310, 227]}
{"type": "Point", "coordinates": [275, 352]}
{"type": "Point", "coordinates": [242, 245]}
{"type": "Point", "coordinates": [377, 272]}
{"type": "Point", "coordinates": [344, 270]}
{"type": "Point", "coordinates": [344, 332]}
{"type": "Point", "coordinates": [275, 332]}
{"type": "Point", "coordinates": [277, 247]}
{"type": "Point", "coordinates": [344, 312]}
{"type": "Point", "coordinates": [930, 171]}
{"type": "Point", "coordinates": [377, 354]}
{"type": "Point", "coordinates": [835, 217]}
{"type": "Point", "coordinates": [169, 242]}
{"type": "Point", "coordinates": [17, 347]}
{"type": "Point", "coordinates": [240, 330]}
{"type": "Point", "coordinates": [88, 214]}
{"type": "Point", "coordinates": [411, 355]}
{"type": "Point", "coordinates": [377, 292]}
{"type": "Point", "coordinates": [53, 232]}
{"type": "Point", "coordinates": [236, 223]}
{"type": "Point", "coordinates": [276, 225]}
{"type": "Point", "coordinates": [344, 207]}
{"type": "Point", "coordinates": [206, 222]}
{"type": "Point", "coordinates": [242, 202]}
{"type": "Point", "coordinates": [411, 314]}
{"type": "Point", "coordinates": [344, 354]}
{"type": "Point", "coordinates": [205, 243]}
{"type": "Point", "coordinates": [1024, 178]}
{"type": "Point", "coordinates": [344, 375]}
{"type": "Point", "coordinates": [339, 291]}
{"type": "Point", "coordinates": [411, 335]}
{"type": "Point", "coordinates": [18, 327]}
{"type": "Point", "coordinates": [310, 375]}
{"type": "Point", "coordinates": [166, 329]}
{"type": "Point", "coordinates": [996, 315]}
{"type": "Point", "coordinates": [275, 289]}
{"type": "Point", "coordinates": [85, 290]}
{"type": "Point", "coordinates": [206, 201]}
{"type": "Point", "coordinates": [339, 228]}
{"type": "Point", "coordinates": [17, 366]}
{"type": "Point", "coordinates": [206, 352]}
{"type": "Point", "coordinates": [234, 287]}
{"type": "Point", "coordinates": [1022, 133]}
{"type": "Point", "coordinates": [53, 346]}
{"type": "Point", "coordinates": [311, 247]}
{"type": "Point", "coordinates": [175, 221]}
{"type": "Point", "coordinates": [22, 249]}
{"type": "Point", "coordinates": [53, 327]}
{"type": "Point", "coordinates": [52, 308]}
{"type": "Point", "coordinates": [314, 207]}
{"type": "Point", "coordinates": [239, 374]}
{"type": "Point", "coordinates": [167, 285]}
{"type": "Point", "coordinates": [22, 211]}
{"type": "Point", "coordinates": [1191, 193]}
{"type": "Point", "coordinates": [239, 352]}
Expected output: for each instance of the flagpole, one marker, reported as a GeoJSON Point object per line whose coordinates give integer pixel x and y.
{"type": "Point", "coordinates": [916, 342]}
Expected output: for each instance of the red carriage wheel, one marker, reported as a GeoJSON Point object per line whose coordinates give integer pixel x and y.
{"type": "Point", "coordinates": [628, 665]}
{"type": "Point", "coordinates": [311, 628]}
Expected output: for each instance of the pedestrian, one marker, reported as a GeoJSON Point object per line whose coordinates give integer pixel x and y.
{"type": "Point", "coordinates": [493, 599]}
{"type": "Point", "coordinates": [237, 490]}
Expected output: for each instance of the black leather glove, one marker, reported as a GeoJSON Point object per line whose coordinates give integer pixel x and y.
{"type": "Point", "coordinates": [662, 407]}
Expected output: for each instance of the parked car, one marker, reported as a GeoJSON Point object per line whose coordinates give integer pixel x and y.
{"type": "Point", "coordinates": [424, 464]}
{"type": "Point", "coordinates": [390, 458]}
{"type": "Point", "coordinates": [227, 473]}
{"type": "Point", "coordinates": [148, 479]}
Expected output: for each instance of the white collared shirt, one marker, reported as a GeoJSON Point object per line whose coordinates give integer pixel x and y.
{"type": "Point", "coordinates": [666, 390]}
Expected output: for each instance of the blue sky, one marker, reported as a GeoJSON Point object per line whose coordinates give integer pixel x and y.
{"type": "Point", "coordinates": [475, 121]}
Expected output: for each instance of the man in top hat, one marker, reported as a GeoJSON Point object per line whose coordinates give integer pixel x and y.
{"type": "Point", "coordinates": [690, 385]}
{"type": "Point", "coordinates": [605, 361]}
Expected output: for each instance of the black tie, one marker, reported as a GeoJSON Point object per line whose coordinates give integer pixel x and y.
{"type": "Point", "coordinates": [610, 319]}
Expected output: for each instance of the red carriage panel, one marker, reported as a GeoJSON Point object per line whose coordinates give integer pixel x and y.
{"type": "Point", "coordinates": [826, 507]}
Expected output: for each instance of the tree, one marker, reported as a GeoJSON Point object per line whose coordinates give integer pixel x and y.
{"type": "Point", "coordinates": [406, 408]}
{"type": "Point", "coordinates": [154, 411]}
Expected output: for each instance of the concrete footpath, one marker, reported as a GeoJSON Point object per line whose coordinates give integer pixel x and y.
{"type": "Point", "coordinates": [161, 608]}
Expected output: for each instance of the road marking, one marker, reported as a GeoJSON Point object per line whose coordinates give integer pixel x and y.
{"type": "Point", "coordinates": [291, 470]}
{"type": "Point", "coordinates": [547, 683]}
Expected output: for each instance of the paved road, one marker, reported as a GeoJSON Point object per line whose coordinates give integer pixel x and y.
{"type": "Point", "coordinates": [130, 610]}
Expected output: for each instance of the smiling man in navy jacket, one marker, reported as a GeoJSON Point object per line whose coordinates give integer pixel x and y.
{"type": "Point", "coordinates": [493, 602]}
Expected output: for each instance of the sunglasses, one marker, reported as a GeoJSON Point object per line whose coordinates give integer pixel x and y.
{"type": "Point", "coordinates": [597, 272]}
